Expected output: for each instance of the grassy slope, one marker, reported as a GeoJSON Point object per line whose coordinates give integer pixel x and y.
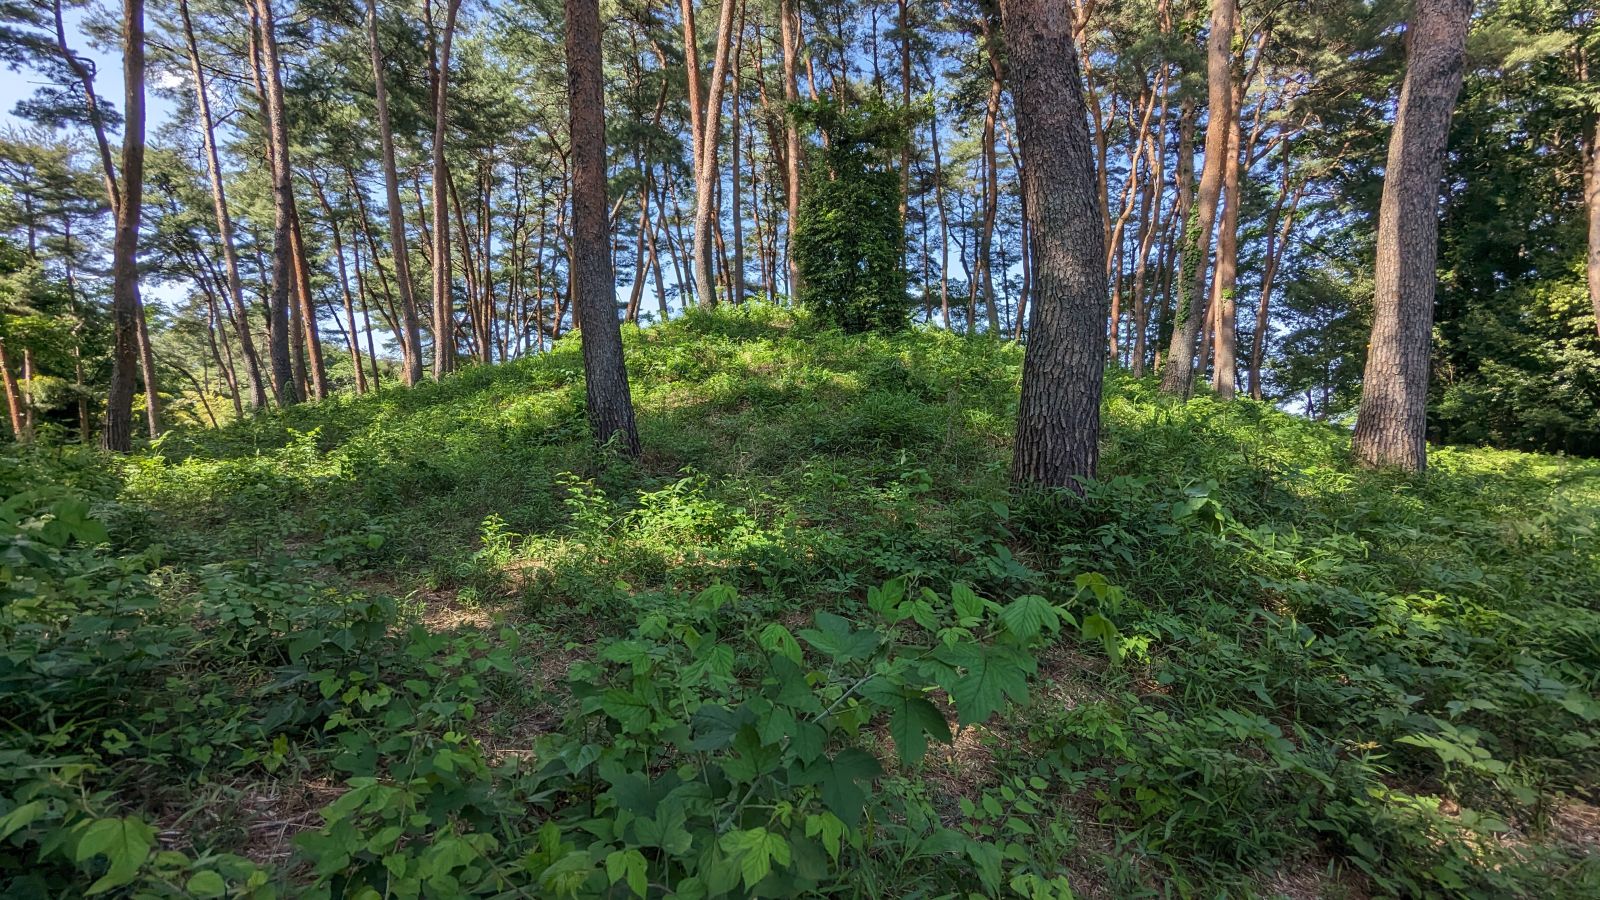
{"type": "Point", "coordinates": [1328, 681]}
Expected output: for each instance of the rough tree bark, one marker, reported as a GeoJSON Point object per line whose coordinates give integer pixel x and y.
{"type": "Point", "coordinates": [1225, 377]}
{"type": "Point", "coordinates": [126, 308]}
{"type": "Point", "coordinates": [1178, 375]}
{"type": "Point", "coordinates": [1391, 427]}
{"type": "Point", "coordinates": [283, 378]}
{"type": "Point", "coordinates": [1058, 419]}
{"type": "Point", "coordinates": [593, 287]}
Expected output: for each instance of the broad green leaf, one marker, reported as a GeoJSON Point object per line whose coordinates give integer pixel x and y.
{"type": "Point", "coordinates": [1096, 626]}
{"type": "Point", "coordinates": [1026, 616]}
{"type": "Point", "coordinates": [992, 675]}
{"type": "Point", "coordinates": [969, 606]}
{"type": "Point", "coordinates": [125, 843]}
{"type": "Point", "coordinates": [834, 636]}
{"type": "Point", "coordinates": [912, 719]}
{"type": "Point", "coordinates": [630, 710]}
{"type": "Point", "coordinates": [628, 865]}
{"type": "Point", "coordinates": [837, 777]}
{"type": "Point", "coordinates": [827, 826]}
{"type": "Point", "coordinates": [756, 849]}
{"type": "Point", "coordinates": [20, 817]}
{"type": "Point", "coordinates": [775, 638]}
{"type": "Point", "coordinates": [206, 884]}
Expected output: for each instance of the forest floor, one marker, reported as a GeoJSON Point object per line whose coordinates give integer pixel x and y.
{"type": "Point", "coordinates": [429, 642]}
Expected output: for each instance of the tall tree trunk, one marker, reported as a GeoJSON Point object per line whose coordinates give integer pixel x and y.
{"type": "Point", "coordinates": [705, 181]}
{"type": "Point", "coordinates": [1225, 378]}
{"type": "Point", "coordinates": [1058, 418]}
{"type": "Point", "coordinates": [126, 308]}
{"type": "Point", "coordinates": [1391, 427]}
{"type": "Point", "coordinates": [264, 59]}
{"type": "Point", "coordinates": [903, 25]}
{"type": "Point", "coordinates": [1178, 375]}
{"type": "Point", "coordinates": [734, 186]}
{"type": "Point", "coordinates": [219, 200]}
{"type": "Point", "coordinates": [444, 340]}
{"type": "Point", "coordinates": [605, 370]}
{"type": "Point", "coordinates": [788, 32]}
{"type": "Point", "coordinates": [991, 177]}
{"type": "Point", "coordinates": [411, 337]}
{"type": "Point", "coordinates": [13, 397]}
{"type": "Point", "coordinates": [1591, 196]}
{"type": "Point", "coordinates": [316, 372]}
{"type": "Point", "coordinates": [944, 222]}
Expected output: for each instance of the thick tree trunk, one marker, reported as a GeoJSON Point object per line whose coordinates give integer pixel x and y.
{"type": "Point", "coordinates": [126, 309]}
{"type": "Point", "coordinates": [219, 200]}
{"type": "Point", "coordinates": [444, 339]}
{"type": "Point", "coordinates": [1178, 375]}
{"type": "Point", "coordinates": [1058, 418]}
{"type": "Point", "coordinates": [1391, 427]}
{"type": "Point", "coordinates": [593, 287]}
{"type": "Point", "coordinates": [705, 180]}
{"type": "Point", "coordinates": [411, 337]}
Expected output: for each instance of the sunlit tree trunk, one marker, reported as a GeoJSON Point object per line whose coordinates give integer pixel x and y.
{"type": "Point", "coordinates": [13, 397]}
{"type": "Point", "coordinates": [1225, 377]}
{"type": "Point", "coordinates": [1391, 427]}
{"type": "Point", "coordinates": [1178, 375]}
{"type": "Point", "coordinates": [705, 181]}
{"type": "Point", "coordinates": [126, 308]}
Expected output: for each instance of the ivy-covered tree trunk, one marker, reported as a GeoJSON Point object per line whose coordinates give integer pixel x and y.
{"type": "Point", "coordinates": [1391, 427]}
{"type": "Point", "coordinates": [125, 306]}
{"type": "Point", "coordinates": [1591, 199]}
{"type": "Point", "coordinates": [1058, 419]}
{"type": "Point", "coordinates": [1178, 375]}
{"type": "Point", "coordinates": [593, 286]}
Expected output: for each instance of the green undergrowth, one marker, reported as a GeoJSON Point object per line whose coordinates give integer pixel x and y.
{"type": "Point", "coordinates": [429, 643]}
